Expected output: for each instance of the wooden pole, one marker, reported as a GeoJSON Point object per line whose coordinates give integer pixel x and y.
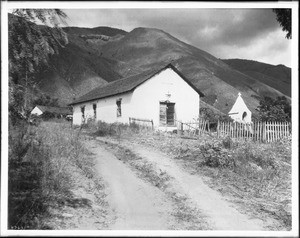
{"type": "Point", "coordinates": [264, 131]}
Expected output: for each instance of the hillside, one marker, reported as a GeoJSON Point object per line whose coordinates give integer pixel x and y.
{"type": "Point", "coordinates": [78, 68]}
{"type": "Point", "coordinates": [144, 48]}
{"type": "Point", "coordinates": [276, 76]}
{"type": "Point", "coordinates": [95, 56]}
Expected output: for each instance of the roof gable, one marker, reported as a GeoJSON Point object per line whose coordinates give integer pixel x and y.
{"type": "Point", "coordinates": [239, 105]}
{"type": "Point", "coordinates": [127, 84]}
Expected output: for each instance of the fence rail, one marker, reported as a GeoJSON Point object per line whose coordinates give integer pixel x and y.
{"type": "Point", "coordinates": [141, 122]}
{"type": "Point", "coordinates": [257, 130]}
{"type": "Point", "coordinates": [193, 128]}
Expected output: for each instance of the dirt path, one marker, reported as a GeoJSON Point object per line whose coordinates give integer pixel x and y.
{"type": "Point", "coordinates": [136, 204]}
{"type": "Point", "coordinates": [221, 215]}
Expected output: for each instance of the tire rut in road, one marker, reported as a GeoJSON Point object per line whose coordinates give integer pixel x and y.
{"type": "Point", "coordinates": [135, 204]}
{"type": "Point", "coordinates": [220, 214]}
{"type": "Point", "coordinates": [185, 214]}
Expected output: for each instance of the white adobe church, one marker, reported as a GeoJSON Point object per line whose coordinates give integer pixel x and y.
{"type": "Point", "coordinates": [239, 111]}
{"type": "Point", "coordinates": [164, 96]}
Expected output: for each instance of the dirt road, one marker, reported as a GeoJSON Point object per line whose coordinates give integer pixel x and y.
{"type": "Point", "coordinates": [136, 204]}
{"type": "Point", "coordinates": [139, 205]}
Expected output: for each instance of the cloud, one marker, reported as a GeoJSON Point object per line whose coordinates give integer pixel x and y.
{"type": "Point", "coordinates": [224, 33]}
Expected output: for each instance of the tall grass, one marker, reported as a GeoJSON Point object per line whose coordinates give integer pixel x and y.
{"type": "Point", "coordinates": [41, 163]}
{"type": "Point", "coordinates": [256, 174]}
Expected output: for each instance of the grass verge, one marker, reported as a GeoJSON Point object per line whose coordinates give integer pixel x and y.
{"type": "Point", "coordinates": [49, 174]}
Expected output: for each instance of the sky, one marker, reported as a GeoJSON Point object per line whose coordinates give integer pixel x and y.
{"type": "Point", "coordinates": [246, 33]}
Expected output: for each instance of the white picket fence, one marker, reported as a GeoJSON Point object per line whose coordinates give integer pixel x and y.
{"type": "Point", "coordinates": [257, 130]}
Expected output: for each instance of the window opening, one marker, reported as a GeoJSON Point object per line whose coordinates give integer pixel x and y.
{"type": "Point", "coordinates": [244, 115]}
{"type": "Point", "coordinates": [95, 110]}
{"type": "Point", "coordinates": [119, 111]}
{"type": "Point", "coordinates": [82, 112]}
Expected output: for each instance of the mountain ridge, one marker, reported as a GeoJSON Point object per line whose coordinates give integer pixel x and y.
{"type": "Point", "coordinates": [96, 56]}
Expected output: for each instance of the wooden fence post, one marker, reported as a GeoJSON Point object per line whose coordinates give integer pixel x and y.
{"type": "Point", "coordinates": [263, 131]}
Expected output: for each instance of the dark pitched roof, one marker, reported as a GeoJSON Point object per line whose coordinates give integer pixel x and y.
{"type": "Point", "coordinates": [56, 110]}
{"type": "Point", "coordinates": [127, 84]}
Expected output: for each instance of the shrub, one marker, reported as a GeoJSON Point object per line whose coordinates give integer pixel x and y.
{"type": "Point", "coordinates": [47, 115]}
{"type": "Point", "coordinates": [278, 109]}
{"type": "Point", "coordinates": [227, 142]}
{"type": "Point", "coordinates": [215, 155]}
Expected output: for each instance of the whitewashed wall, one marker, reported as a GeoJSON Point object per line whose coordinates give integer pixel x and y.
{"type": "Point", "coordinates": [106, 109]}
{"type": "Point", "coordinates": [146, 97]}
{"type": "Point", "coordinates": [237, 110]}
{"type": "Point", "coordinates": [238, 117]}
{"type": "Point", "coordinates": [143, 102]}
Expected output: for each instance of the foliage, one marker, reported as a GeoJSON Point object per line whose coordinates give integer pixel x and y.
{"type": "Point", "coordinates": [212, 117]}
{"type": "Point", "coordinates": [209, 114]}
{"type": "Point", "coordinates": [278, 109]}
{"type": "Point", "coordinates": [215, 155]}
{"type": "Point", "coordinates": [42, 163]}
{"type": "Point", "coordinates": [30, 46]}
{"type": "Point", "coordinates": [284, 17]}
{"type": "Point", "coordinates": [46, 100]}
{"type": "Point", "coordinates": [48, 115]}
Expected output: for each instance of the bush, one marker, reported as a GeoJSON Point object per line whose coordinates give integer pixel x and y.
{"type": "Point", "coordinates": [47, 116]}
{"type": "Point", "coordinates": [215, 155]}
{"type": "Point", "coordinates": [227, 142]}
{"type": "Point", "coordinates": [105, 129]}
{"type": "Point", "coordinates": [278, 109]}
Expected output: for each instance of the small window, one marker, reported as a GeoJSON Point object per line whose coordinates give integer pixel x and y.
{"type": "Point", "coordinates": [119, 111]}
{"type": "Point", "coordinates": [82, 112]}
{"type": "Point", "coordinates": [95, 110]}
{"type": "Point", "coordinates": [244, 115]}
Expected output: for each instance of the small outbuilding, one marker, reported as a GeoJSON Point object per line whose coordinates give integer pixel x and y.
{"type": "Point", "coordinates": [59, 112]}
{"type": "Point", "coordinates": [239, 111]}
{"type": "Point", "coordinates": [162, 96]}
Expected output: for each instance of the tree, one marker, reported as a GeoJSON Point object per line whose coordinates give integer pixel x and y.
{"type": "Point", "coordinates": [284, 17]}
{"type": "Point", "coordinates": [46, 100]}
{"type": "Point", "coordinates": [30, 46]}
{"type": "Point", "coordinates": [278, 109]}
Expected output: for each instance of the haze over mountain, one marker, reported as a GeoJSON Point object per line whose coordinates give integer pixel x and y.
{"type": "Point", "coordinates": [95, 56]}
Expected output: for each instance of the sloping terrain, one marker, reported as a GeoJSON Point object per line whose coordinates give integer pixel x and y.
{"type": "Point", "coordinates": [276, 76]}
{"type": "Point", "coordinates": [146, 48]}
{"type": "Point", "coordinates": [76, 70]}
{"type": "Point", "coordinates": [99, 55]}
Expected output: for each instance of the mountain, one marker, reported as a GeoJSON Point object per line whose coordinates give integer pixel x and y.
{"type": "Point", "coordinates": [144, 48]}
{"type": "Point", "coordinates": [78, 68]}
{"type": "Point", "coordinates": [96, 56]}
{"type": "Point", "coordinates": [276, 76]}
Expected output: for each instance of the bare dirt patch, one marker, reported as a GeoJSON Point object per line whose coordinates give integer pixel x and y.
{"type": "Point", "coordinates": [216, 213]}
{"type": "Point", "coordinates": [135, 205]}
{"type": "Point", "coordinates": [139, 197]}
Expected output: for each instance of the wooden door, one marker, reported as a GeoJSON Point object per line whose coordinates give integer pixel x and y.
{"type": "Point", "coordinates": [167, 114]}
{"type": "Point", "coordinates": [170, 113]}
